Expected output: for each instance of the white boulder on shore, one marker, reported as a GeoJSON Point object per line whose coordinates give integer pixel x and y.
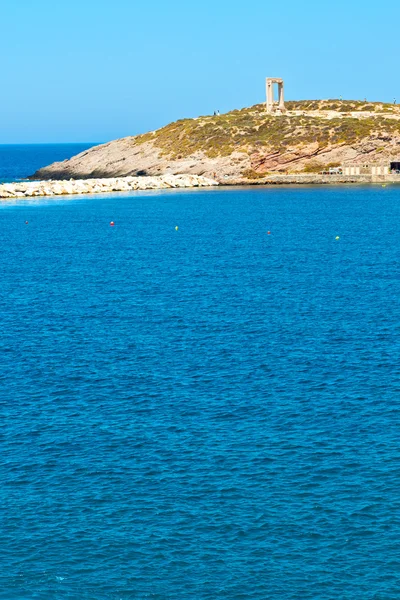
{"type": "Point", "coordinates": [29, 189]}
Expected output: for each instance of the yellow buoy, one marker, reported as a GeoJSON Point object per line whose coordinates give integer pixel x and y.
{"type": "Point", "coordinates": [176, 228]}
{"type": "Point", "coordinates": [337, 238]}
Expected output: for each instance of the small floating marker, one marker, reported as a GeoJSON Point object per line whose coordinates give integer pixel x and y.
{"type": "Point", "coordinates": [112, 223]}
{"type": "Point", "coordinates": [268, 232]}
{"type": "Point", "coordinates": [337, 238]}
{"type": "Point", "coordinates": [176, 228]}
{"type": "Point", "coordinates": [383, 184]}
{"type": "Point", "coordinates": [26, 222]}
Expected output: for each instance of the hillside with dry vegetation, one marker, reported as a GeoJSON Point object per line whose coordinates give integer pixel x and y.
{"type": "Point", "coordinates": [248, 143]}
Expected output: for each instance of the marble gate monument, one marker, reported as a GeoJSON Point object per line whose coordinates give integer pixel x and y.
{"type": "Point", "coordinates": [274, 107]}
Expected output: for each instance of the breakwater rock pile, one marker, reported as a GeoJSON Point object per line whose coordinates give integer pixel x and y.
{"type": "Point", "coordinates": [28, 189]}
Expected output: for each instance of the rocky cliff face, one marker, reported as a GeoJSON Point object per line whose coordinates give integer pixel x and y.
{"type": "Point", "coordinates": [248, 144]}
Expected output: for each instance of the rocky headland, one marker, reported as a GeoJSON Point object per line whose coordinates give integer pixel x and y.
{"type": "Point", "coordinates": [248, 145]}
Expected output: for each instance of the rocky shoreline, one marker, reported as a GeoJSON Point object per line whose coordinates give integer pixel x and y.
{"type": "Point", "coordinates": [29, 189]}
{"type": "Point", "coordinates": [311, 179]}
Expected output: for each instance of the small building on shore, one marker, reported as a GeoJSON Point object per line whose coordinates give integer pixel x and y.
{"type": "Point", "coordinates": [371, 169]}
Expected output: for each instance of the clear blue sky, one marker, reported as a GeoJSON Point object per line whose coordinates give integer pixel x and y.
{"type": "Point", "coordinates": [95, 70]}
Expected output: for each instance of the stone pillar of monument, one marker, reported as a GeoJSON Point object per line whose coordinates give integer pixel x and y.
{"type": "Point", "coordinates": [281, 97]}
{"type": "Point", "coordinates": [270, 96]}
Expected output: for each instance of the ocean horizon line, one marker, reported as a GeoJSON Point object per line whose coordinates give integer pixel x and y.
{"type": "Point", "coordinates": [49, 143]}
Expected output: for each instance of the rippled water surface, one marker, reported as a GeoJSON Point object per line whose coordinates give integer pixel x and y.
{"type": "Point", "coordinates": [203, 414]}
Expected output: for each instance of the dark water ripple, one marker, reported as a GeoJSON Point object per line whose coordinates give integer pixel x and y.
{"type": "Point", "coordinates": [207, 414]}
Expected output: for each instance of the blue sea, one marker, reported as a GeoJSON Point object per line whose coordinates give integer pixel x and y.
{"type": "Point", "coordinates": [18, 161]}
{"type": "Point", "coordinates": [211, 413]}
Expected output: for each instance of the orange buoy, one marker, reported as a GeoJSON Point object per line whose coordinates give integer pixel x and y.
{"type": "Point", "coordinates": [112, 223]}
{"type": "Point", "coordinates": [269, 233]}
